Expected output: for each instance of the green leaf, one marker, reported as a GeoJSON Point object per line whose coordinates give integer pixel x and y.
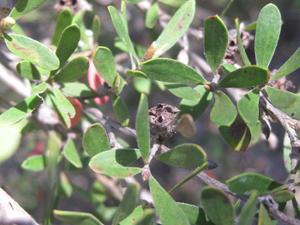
{"type": "Point", "coordinates": [34, 163]}
{"type": "Point", "coordinates": [282, 196]}
{"type": "Point", "coordinates": [246, 77]}
{"type": "Point", "coordinates": [23, 7]}
{"type": "Point", "coordinates": [105, 64]}
{"type": "Point", "coordinates": [188, 156]}
{"type": "Point", "coordinates": [162, 201]}
{"type": "Point", "coordinates": [240, 44]}
{"type": "Point", "coordinates": [20, 111]}
{"type": "Point", "coordinates": [183, 91]}
{"type": "Point", "coordinates": [217, 206]}
{"type": "Point", "coordinates": [96, 25]}
{"type": "Point", "coordinates": [143, 127]}
{"type": "Point", "coordinates": [152, 16]}
{"type": "Point", "coordinates": [223, 112]}
{"type": "Point", "coordinates": [76, 218]}
{"type": "Point", "coordinates": [127, 204]}
{"type": "Point", "coordinates": [173, 31]}
{"type": "Point", "coordinates": [194, 214]}
{"type": "Point", "coordinates": [63, 106]}
{"type": "Point", "coordinates": [268, 29]}
{"type": "Point", "coordinates": [196, 108]}
{"type": "Point", "coordinates": [28, 70]}
{"type": "Point", "coordinates": [142, 85]}
{"type": "Point", "coordinates": [169, 70]}
{"type": "Point", "coordinates": [67, 44]}
{"type": "Point", "coordinates": [248, 108]}
{"type": "Point", "coordinates": [215, 41]}
{"type": "Point", "coordinates": [71, 153]}
{"type": "Point", "coordinates": [120, 25]}
{"type": "Point", "coordinates": [248, 211]}
{"type": "Point", "coordinates": [237, 135]}
{"type": "Point", "coordinates": [40, 88]}
{"type": "Point", "coordinates": [133, 218]}
{"type": "Point", "coordinates": [247, 182]}
{"type": "Point", "coordinates": [120, 110]}
{"type": "Point", "coordinates": [116, 163]}
{"type": "Point", "coordinates": [10, 138]}
{"type": "Point", "coordinates": [77, 89]}
{"type": "Point", "coordinates": [32, 51]}
{"type": "Point", "coordinates": [286, 101]}
{"type": "Point", "coordinates": [290, 66]}
{"type": "Point", "coordinates": [63, 20]}
{"type": "Point", "coordinates": [95, 139]}
{"type": "Point", "coordinates": [263, 216]}
{"type": "Point", "coordinates": [73, 70]}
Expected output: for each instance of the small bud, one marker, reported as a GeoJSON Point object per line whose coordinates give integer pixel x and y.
{"type": "Point", "coordinates": [7, 23]}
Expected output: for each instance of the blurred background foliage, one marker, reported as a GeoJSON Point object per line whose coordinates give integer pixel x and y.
{"type": "Point", "coordinates": [265, 157]}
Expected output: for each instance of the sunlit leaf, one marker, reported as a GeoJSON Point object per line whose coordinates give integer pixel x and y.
{"type": "Point", "coordinates": [268, 29]}
{"type": "Point", "coordinates": [95, 139]}
{"type": "Point", "coordinates": [116, 162]}
{"type": "Point", "coordinates": [172, 71]}
{"type": "Point", "coordinates": [217, 206]}
{"type": "Point", "coordinates": [162, 201]}
{"type": "Point", "coordinates": [173, 31]}
{"type": "Point", "coordinates": [215, 41]}
{"type": "Point", "coordinates": [223, 112]}
{"type": "Point", "coordinates": [32, 51]}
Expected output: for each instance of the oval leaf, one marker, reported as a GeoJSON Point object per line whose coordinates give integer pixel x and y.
{"type": "Point", "coordinates": [188, 156]}
{"type": "Point", "coordinates": [20, 111]}
{"type": "Point", "coordinates": [268, 27]}
{"type": "Point", "coordinates": [162, 201]}
{"type": "Point", "coordinates": [116, 163]}
{"type": "Point", "coordinates": [76, 218]}
{"type": "Point", "coordinates": [32, 51]}
{"type": "Point", "coordinates": [169, 70]}
{"type": "Point", "coordinates": [223, 112]}
{"type": "Point", "coordinates": [105, 64]}
{"type": "Point", "coordinates": [217, 206]}
{"type": "Point", "coordinates": [143, 127]}
{"type": "Point", "coordinates": [71, 154]}
{"type": "Point", "coordinates": [95, 139]}
{"type": "Point", "coordinates": [245, 77]}
{"type": "Point", "coordinates": [246, 182]}
{"type": "Point", "coordinates": [263, 216]}
{"type": "Point", "coordinates": [67, 44]}
{"type": "Point", "coordinates": [215, 41]}
{"type": "Point", "coordinates": [34, 163]}
{"type": "Point", "coordinates": [173, 31]}
{"type": "Point", "coordinates": [73, 70]}
{"type": "Point", "coordinates": [63, 20]}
